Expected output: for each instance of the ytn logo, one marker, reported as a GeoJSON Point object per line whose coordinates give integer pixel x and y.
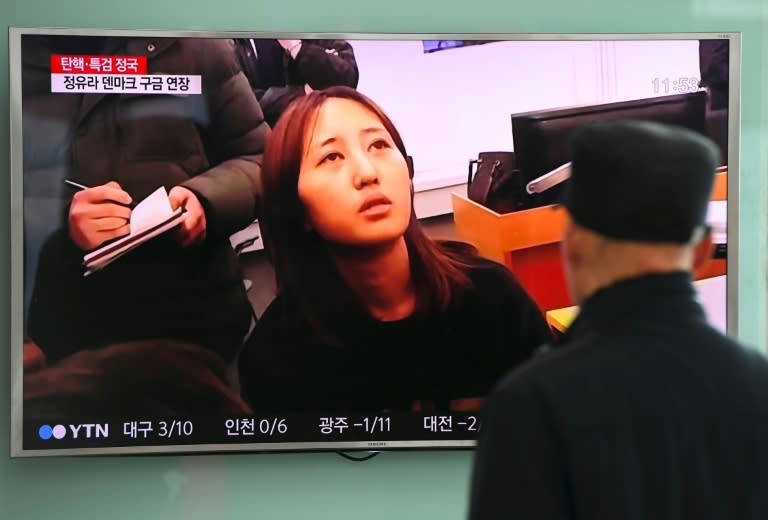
{"type": "Point", "coordinates": [76, 431]}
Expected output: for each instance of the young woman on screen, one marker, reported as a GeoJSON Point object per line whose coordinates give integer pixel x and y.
{"type": "Point", "coordinates": [370, 314]}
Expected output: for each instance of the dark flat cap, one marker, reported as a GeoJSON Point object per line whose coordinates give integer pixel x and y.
{"type": "Point", "coordinates": [640, 181]}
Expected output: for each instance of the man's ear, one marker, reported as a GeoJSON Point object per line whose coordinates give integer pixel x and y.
{"type": "Point", "coordinates": [703, 251]}
{"type": "Point", "coordinates": [570, 242]}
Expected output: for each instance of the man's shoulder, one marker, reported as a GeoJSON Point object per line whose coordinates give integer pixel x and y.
{"type": "Point", "coordinates": [605, 363]}
{"type": "Point", "coordinates": [735, 356]}
{"type": "Point", "coordinates": [563, 368]}
{"type": "Point", "coordinates": [216, 58]}
{"type": "Point", "coordinates": [547, 366]}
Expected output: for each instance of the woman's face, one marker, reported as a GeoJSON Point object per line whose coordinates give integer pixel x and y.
{"type": "Point", "coordinates": [353, 181]}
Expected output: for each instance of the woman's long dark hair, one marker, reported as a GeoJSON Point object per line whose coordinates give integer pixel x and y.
{"type": "Point", "coordinates": [307, 278]}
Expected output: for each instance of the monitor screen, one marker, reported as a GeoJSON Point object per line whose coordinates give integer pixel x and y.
{"type": "Point", "coordinates": [541, 138]}
{"type": "Point", "coordinates": [229, 242]}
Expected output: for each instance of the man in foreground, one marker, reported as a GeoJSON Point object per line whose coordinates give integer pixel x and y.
{"type": "Point", "coordinates": [643, 410]}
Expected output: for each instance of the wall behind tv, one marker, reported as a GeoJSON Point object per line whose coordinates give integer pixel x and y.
{"type": "Point", "coordinates": [394, 485]}
{"type": "Point", "coordinates": [451, 105]}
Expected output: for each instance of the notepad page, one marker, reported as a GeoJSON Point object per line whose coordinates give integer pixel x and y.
{"type": "Point", "coordinates": [150, 211]}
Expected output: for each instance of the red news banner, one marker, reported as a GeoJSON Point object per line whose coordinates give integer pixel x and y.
{"type": "Point", "coordinates": [80, 74]}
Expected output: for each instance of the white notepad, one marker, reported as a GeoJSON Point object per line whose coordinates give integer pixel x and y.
{"type": "Point", "coordinates": [151, 217]}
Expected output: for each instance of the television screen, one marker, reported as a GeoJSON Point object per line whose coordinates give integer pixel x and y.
{"type": "Point", "coordinates": [280, 242]}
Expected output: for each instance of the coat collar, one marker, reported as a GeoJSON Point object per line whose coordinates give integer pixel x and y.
{"type": "Point", "coordinates": [648, 297]}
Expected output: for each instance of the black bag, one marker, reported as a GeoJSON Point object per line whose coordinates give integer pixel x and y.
{"type": "Point", "coordinates": [497, 183]}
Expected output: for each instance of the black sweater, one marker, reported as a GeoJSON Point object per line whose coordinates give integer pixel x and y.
{"type": "Point", "coordinates": [435, 357]}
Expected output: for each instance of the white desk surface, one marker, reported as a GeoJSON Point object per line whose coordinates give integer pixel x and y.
{"type": "Point", "coordinates": [712, 295]}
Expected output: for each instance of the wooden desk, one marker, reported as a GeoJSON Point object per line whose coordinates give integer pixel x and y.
{"type": "Point", "coordinates": [712, 295]}
{"type": "Point", "coordinates": [527, 242]}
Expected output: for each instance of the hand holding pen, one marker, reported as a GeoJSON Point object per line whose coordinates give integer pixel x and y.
{"type": "Point", "coordinates": [98, 214]}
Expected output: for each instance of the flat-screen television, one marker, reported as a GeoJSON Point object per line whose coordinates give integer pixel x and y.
{"type": "Point", "coordinates": [236, 242]}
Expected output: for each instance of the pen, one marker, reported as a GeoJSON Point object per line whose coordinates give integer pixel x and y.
{"type": "Point", "coordinates": [76, 184]}
{"type": "Point", "coordinates": [84, 187]}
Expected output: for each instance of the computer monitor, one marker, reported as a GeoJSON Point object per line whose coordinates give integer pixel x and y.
{"type": "Point", "coordinates": [541, 138]}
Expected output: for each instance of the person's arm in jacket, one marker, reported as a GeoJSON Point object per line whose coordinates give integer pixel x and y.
{"type": "Point", "coordinates": [324, 63]}
{"type": "Point", "coordinates": [230, 191]}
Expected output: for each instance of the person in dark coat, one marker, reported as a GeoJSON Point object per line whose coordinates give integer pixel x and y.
{"type": "Point", "coordinates": [280, 71]}
{"type": "Point", "coordinates": [205, 149]}
{"type": "Point", "coordinates": [643, 410]}
{"type": "Point", "coordinates": [713, 66]}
